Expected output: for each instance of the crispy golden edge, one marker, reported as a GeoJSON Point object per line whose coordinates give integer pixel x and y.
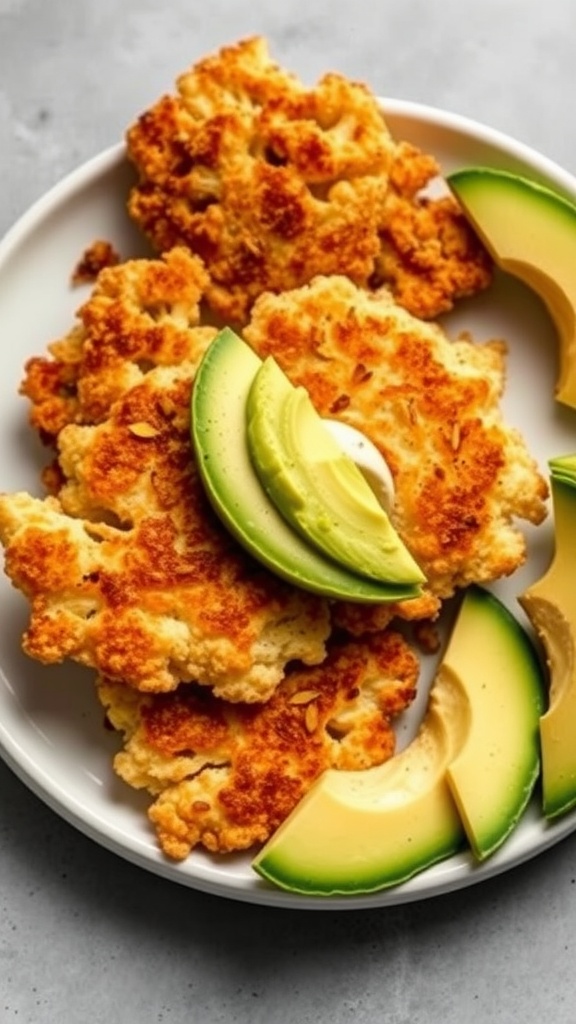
{"type": "Point", "coordinates": [96, 257]}
{"type": "Point", "coordinates": [141, 314]}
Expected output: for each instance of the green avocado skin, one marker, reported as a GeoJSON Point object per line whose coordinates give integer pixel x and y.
{"type": "Point", "coordinates": [218, 432]}
{"type": "Point", "coordinates": [468, 181]}
{"type": "Point", "coordinates": [467, 775]}
{"type": "Point", "coordinates": [280, 870]}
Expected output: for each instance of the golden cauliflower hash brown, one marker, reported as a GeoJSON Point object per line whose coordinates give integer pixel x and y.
{"type": "Point", "coordinates": [432, 407]}
{"type": "Point", "coordinates": [272, 183]}
{"type": "Point", "coordinates": [125, 566]}
{"type": "Point", "coordinates": [224, 775]}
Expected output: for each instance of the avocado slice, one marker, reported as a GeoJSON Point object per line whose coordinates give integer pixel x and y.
{"type": "Point", "coordinates": [357, 832]}
{"type": "Point", "coordinates": [493, 775]}
{"type": "Point", "coordinates": [218, 429]}
{"type": "Point", "coordinates": [469, 771]}
{"type": "Point", "coordinates": [530, 231]}
{"type": "Point", "coordinates": [550, 603]}
{"type": "Point", "coordinates": [316, 486]}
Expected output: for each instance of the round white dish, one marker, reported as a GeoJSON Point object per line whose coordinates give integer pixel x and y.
{"type": "Point", "coordinates": [51, 728]}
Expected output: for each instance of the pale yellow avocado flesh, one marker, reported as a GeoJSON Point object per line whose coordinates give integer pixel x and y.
{"type": "Point", "coordinates": [531, 232]}
{"type": "Point", "coordinates": [316, 486]}
{"type": "Point", "coordinates": [470, 771]}
{"type": "Point", "coordinates": [364, 831]}
{"type": "Point", "coordinates": [493, 775]}
{"type": "Point", "coordinates": [550, 603]}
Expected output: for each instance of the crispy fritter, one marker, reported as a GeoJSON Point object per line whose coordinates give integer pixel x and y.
{"type": "Point", "coordinates": [225, 776]}
{"type": "Point", "coordinates": [272, 183]}
{"type": "Point", "coordinates": [130, 572]}
{"type": "Point", "coordinates": [432, 407]}
{"type": "Point", "coordinates": [140, 314]}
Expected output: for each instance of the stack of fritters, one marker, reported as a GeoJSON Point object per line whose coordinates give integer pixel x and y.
{"type": "Point", "coordinates": [286, 209]}
{"type": "Point", "coordinates": [200, 653]}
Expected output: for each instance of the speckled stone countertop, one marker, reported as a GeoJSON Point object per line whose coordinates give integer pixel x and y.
{"type": "Point", "coordinates": [86, 936]}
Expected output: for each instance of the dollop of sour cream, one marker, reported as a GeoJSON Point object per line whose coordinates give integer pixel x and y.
{"type": "Point", "coordinates": [368, 459]}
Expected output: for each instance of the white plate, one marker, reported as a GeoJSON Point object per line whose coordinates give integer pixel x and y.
{"type": "Point", "coordinates": [51, 728]}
